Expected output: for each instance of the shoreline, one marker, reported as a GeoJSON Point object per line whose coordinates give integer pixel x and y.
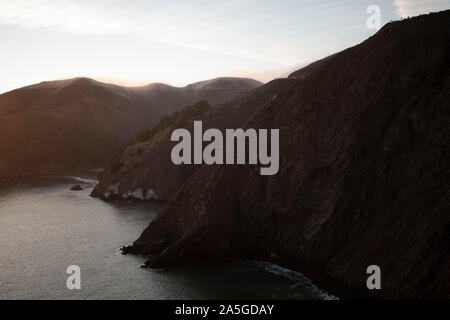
{"type": "Point", "coordinates": [324, 283]}
{"type": "Point", "coordinates": [322, 280]}
{"type": "Point", "coordinates": [316, 273]}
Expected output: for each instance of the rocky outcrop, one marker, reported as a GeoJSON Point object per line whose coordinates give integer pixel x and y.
{"type": "Point", "coordinates": [59, 127]}
{"type": "Point", "coordinates": [364, 173]}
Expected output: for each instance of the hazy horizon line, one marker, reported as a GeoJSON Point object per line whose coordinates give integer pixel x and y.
{"type": "Point", "coordinates": [141, 84]}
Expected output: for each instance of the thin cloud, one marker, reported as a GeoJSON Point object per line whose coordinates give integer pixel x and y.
{"type": "Point", "coordinates": [409, 8]}
{"type": "Point", "coordinates": [194, 25]}
{"type": "Point", "coordinates": [241, 28]}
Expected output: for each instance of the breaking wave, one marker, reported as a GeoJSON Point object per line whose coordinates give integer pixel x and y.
{"type": "Point", "coordinates": [299, 278]}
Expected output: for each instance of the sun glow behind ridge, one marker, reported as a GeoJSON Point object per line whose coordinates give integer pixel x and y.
{"type": "Point", "coordinates": [177, 42]}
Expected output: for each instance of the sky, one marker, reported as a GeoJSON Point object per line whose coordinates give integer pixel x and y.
{"type": "Point", "coordinates": [136, 42]}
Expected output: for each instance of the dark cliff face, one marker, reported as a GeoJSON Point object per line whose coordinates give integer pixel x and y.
{"type": "Point", "coordinates": [146, 171]}
{"type": "Point", "coordinates": [59, 126]}
{"type": "Point", "coordinates": [364, 172]}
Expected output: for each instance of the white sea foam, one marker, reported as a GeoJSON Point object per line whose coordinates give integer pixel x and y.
{"type": "Point", "coordinates": [84, 180]}
{"type": "Point", "coordinates": [299, 278]}
{"type": "Point", "coordinates": [79, 179]}
{"type": "Point", "coordinates": [138, 194]}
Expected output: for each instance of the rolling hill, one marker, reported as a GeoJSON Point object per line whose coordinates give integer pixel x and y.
{"type": "Point", "coordinates": [63, 126]}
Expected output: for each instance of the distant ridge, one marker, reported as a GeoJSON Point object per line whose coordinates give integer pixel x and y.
{"type": "Point", "coordinates": [56, 127]}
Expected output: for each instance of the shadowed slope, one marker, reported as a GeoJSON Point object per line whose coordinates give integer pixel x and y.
{"type": "Point", "coordinates": [364, 173]}
{"type": "Point", "coordinates": [60, 126]}
{"type": "Point", "coordinates": [145, 167]}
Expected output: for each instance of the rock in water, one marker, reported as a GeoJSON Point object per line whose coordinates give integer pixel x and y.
{"type": "Point", "coordinates": [77, 188]}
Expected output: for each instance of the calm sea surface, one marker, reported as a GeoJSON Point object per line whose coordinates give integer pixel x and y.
{"type": "Point", "coordinates": [45, 227]}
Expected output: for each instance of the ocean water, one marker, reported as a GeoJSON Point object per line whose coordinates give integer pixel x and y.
{"type": "Point", "coordinates": [45, 227]}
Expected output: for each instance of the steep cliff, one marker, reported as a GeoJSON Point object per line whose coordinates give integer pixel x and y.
{"type": "Point", "coordinates": [364, 172]}
{"type": "Point", "coordinates": [145, 171]}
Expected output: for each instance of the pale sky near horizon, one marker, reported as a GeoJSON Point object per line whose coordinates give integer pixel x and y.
{"type": "Point", "coordinates": [136, 42]}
